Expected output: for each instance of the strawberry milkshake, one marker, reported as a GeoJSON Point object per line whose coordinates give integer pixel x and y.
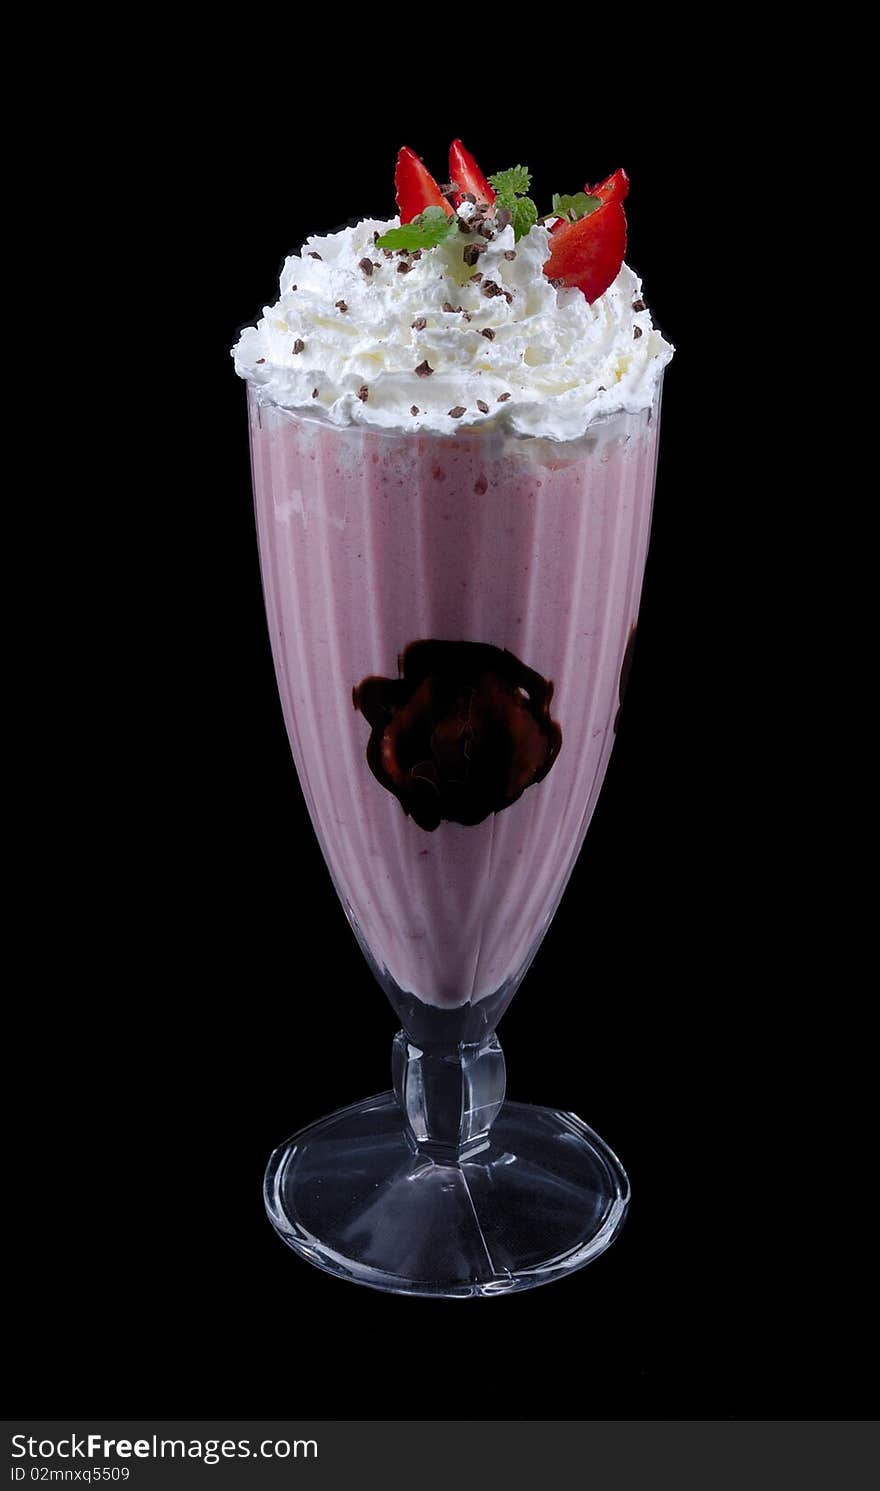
{"type": "Point", "coordinates": [454, 419]}
{"type": "Point", "coordinates": [373, 548]}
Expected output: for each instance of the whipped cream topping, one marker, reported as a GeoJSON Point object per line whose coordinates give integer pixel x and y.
{"type": "Point", "coordinates": [354, 331]}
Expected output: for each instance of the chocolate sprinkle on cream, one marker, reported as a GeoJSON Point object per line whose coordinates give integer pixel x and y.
{"type": "Point", "coordinates": [503, 397]}
{"type": "Point", "coordinates": [314, 393]}
{"type": "Point", "coordinates": [482, 406]}
{"type": "Point", "coordinates": [367, 266]}
{"type": "Point", "coordinates": [637, 331]}
{"type": "Point", "coordinates": [299, 346]}
{"type": "Point", "coordinates": [504, 218]}
{"type": "Point", "coordinates": [419, 324]}
{"type": "Point", "coordinates": [261, 359]}
{"type": "Point", "coordinates": [458, 411]}
{"type": "Point", "coordinates": [638, 305]}
{"type": "Point", "coordinates": [510, 254]}
{"type": "Point", "coordinates": [293, 287]}
{"type": "Point", "coordinates": [414, 410]}
{"type": "Point", "coordinates": [488, 333]}
{"type": "Point", "coordinates": [476, 278]}
{"type": "Point", "coordinates": [341, 305]}
{"type": "Point", "coordinates": [313, 255]}
{"type": "Point", "coordinates": [403, 267]}
{"type": "Point", "coordinates": [490, 288]}
{"type": "Point", "coordinates": [472, 253]}
{"type": "Point", "coordinates": [363, 393]}
{"type": "Point", "coordinates": [424, 369]}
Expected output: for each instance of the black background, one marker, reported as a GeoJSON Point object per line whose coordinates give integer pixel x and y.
{"type": "Point", "coordinates": [191, 993]}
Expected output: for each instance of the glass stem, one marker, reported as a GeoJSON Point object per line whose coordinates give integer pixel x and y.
{"type": "Point", "coordinates": [450, 1094]}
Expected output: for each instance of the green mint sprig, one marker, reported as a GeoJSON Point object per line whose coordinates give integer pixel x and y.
{"type": "Point", "coordinates": [512, 183]}
{"type": "Point", "coordinates": [510, 193]}
{"type": "Point", "coordinates": [576, 207]}
{"type": "Point", "coordinates": [431, 227]}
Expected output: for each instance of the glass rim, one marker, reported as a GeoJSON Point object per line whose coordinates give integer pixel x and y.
{"type": "Point", "coordinates": [485, 430]}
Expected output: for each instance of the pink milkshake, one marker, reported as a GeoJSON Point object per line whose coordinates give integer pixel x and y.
{"type": "Point", "coordinates": [454, 424]}
{"type": "Point", "coordinates": [370, 542]}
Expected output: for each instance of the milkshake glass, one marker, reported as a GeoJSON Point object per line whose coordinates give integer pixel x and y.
{"type": "Point", "coordinates": [451, 612]}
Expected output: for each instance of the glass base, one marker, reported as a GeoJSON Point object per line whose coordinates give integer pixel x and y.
{"type": "Point", "coordinates": [353, 1196]}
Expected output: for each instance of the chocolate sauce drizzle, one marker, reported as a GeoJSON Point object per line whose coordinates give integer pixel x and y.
{"type": "Point", "coordinates": [462, 733]}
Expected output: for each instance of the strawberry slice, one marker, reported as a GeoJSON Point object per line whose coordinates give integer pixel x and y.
{"type": "Point", "coordinates": [415, 187]}
{"type": "Point", "coordinates": [588, 254]}
{"type": "Point", "coordinates": [467, 176]}
{"type": "Point", "coordinates": [613, 189]}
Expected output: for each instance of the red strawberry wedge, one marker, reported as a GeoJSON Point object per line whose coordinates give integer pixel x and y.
{"type": "Point", "coordinates": [415, 187]}
{"type": "Point", "coordinates": [467, 176]}
{"type": "Point", "coordinates": [612, 189]}
{"type": "Point", "coordinates": [588, 254]}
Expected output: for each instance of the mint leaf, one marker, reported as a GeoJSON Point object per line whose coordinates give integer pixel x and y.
{"type": "Point", "coordinates": [524, 215]}
{"type": "Point", "coordinates": [511, 184]}
{"type": "Point", "coordinates": [510, 187]}
{"type": "Point", "coordinates": [576, 207]}
{"type": "Point", "coordinates": [431, 227]}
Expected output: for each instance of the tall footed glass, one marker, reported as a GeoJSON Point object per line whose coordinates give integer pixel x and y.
{"type": "Point", "coordinates": [451, 619]}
